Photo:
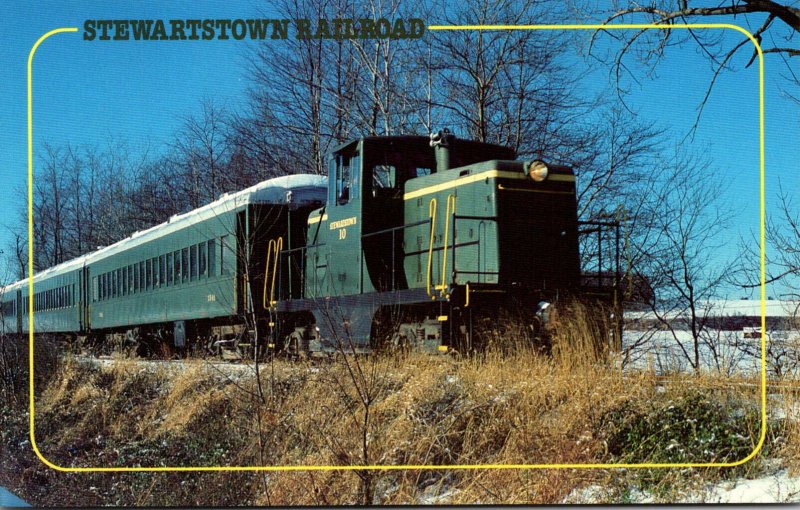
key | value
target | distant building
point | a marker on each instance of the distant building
(726, 315)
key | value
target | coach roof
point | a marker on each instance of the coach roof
(293, 190)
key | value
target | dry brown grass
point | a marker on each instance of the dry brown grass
(413, 409)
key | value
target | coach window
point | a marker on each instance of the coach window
(176, 258)
(148, 281)
(141, 276)
(212, 254)
(185, 264)
(162, 271)
(169, 269)
(124, 286)
(136, 277)
(130, 279)
(225, 255)
(193, 262)
(201, 259)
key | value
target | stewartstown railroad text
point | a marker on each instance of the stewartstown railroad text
(250, 29)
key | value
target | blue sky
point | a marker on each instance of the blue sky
(86, 93)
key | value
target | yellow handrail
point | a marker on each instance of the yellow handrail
(278, 248)
(275, 245)
(451, 199)
(266, 271)
(432, 216)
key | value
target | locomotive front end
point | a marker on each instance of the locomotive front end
(492, 235)
(500, 223)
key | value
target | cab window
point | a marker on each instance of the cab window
(347, 170)
(384, 176)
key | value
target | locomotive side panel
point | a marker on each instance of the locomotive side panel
(460, 203)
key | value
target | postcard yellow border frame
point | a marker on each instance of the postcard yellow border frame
(762, 436)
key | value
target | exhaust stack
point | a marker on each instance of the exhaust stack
(441, 145)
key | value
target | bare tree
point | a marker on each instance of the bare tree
(774, 24)
(202, 150)
(678, 247)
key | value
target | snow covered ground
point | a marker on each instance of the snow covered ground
(730, 352)
(777, 487)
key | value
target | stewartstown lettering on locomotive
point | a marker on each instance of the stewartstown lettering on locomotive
(253, 29)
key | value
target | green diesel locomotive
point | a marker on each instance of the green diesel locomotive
(412, 241)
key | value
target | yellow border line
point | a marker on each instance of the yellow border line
(488, 174)
(755, 451)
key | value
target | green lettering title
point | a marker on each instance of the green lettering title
(251, 29)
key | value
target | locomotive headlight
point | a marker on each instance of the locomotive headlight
(536, 170)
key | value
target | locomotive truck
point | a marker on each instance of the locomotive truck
(410, 240)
